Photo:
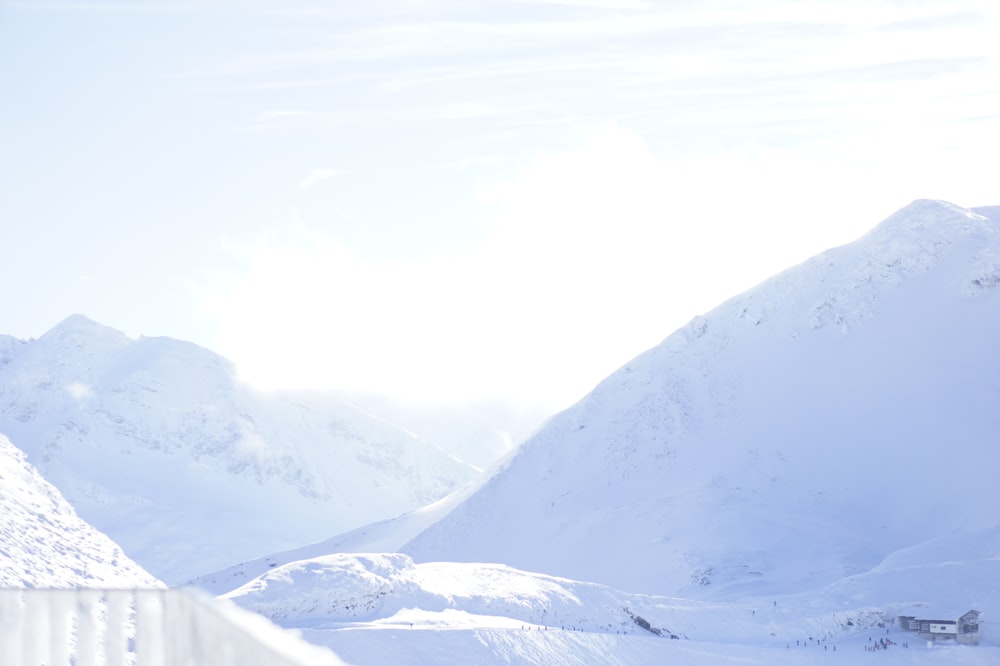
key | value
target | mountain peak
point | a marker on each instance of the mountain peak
(930, 217)
(78, 318)
(77, 328)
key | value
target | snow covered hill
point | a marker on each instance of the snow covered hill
(157, 444)
(385, 536)
(43, 543)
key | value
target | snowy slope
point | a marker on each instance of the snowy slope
(43, 543)
(457, 643)
(385, 609)
(157, 444)
(381, 537)
(799, 433)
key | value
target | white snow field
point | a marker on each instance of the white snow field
(385, 609)
(804, 463)
(43, 543)
(156, 443)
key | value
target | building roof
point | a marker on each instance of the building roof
(955, 614)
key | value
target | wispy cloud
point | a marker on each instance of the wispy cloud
(520, 65)
(80, 391)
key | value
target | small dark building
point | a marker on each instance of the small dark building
(963, 630)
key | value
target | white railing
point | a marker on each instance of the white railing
(85, 627)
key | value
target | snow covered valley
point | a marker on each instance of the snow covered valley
(385, 609)
(775, 483)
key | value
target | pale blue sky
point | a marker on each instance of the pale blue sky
(448, 200)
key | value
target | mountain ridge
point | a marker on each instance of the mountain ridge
(157, 443)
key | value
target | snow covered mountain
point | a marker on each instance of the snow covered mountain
(799, 433)
(803, 464)
(43, 543)
(157, 444)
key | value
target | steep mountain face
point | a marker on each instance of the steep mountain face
(43, 543)
(799, 433)
(157, 444)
